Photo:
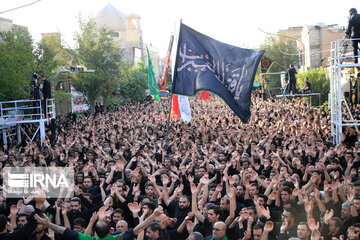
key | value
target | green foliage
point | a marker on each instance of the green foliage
(16, 65)
(89, 85)
(282, 54)
(319, 83)
(133, 84)
(97, 51)
(62, 102)
(51, 56)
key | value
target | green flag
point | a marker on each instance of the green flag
(153, 86)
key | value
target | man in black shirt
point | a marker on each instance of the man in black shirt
(353, 30)
(292, 80)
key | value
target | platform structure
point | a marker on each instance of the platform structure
(16, 113)
(339, 62)
(310, 95)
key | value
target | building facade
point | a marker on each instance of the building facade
(7, 24)
(125, 30)
(313, 43)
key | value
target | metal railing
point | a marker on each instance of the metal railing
(25, 110)
(339, 61)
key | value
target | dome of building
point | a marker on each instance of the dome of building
(111, 18)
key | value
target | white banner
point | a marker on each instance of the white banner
(78, 102)
(185, 111)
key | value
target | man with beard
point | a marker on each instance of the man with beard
(89, 186)
(77, 212)
(21, 220)
(40, 233)
(102, 228)
(23, 232)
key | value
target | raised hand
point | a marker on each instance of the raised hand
(269, 226)
(63, 211)
(134, 207)
(296, 192)
(313, 225)
(205, 180)
(189, 216)
(190, 178)
(284, 225)
(247, 235)
(158, 211)
(231, 180)
(328, 215)
(326, 186)
(94, 217)
(13, 210)
(179, 188)
(264, 212)
(151, 178)
(165, 180)
(51, 233)
(190, 226)
(42, 220)
(102, 213)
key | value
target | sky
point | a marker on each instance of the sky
(236, 22)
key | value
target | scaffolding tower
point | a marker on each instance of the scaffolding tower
(16, 113)
(338, 63)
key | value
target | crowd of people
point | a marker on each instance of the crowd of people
(277, 177)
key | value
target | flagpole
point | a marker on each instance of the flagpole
(172, 90)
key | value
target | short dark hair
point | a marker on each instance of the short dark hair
(22, 215)
(80, 221)
(338, 222)
(259, 225)
(118, 210)
(102, 228)
(264, 197)
(304, 223)
(155, 226)
(252, 208)
(216, 209)
(150, 205)
(3, 222)
(75, 199)
(290, 210)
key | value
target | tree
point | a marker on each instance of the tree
(319, 83)
(133, 83)
(96, 50)
(16, 64)
(51, 56)
(282, 54)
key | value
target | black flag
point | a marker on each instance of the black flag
(203, 63)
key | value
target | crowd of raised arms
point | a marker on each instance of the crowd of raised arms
(277, 177)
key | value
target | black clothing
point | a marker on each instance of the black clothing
(205, 228)
(46, 90)
(85, 214)
(353, 31)
(176, 212)
(292, 80)
(24, 232)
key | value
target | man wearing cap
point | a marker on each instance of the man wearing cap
(353, 30)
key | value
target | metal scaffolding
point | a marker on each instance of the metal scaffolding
(339, 62)
(16, 113)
